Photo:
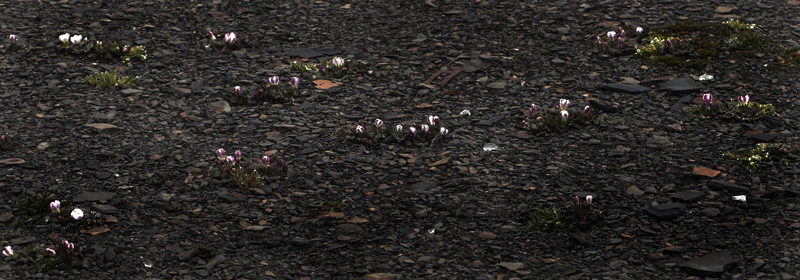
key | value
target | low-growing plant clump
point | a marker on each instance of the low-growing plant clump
(580, 215)
(336, 68)
(274, 91)
(741, 109)
(109, 79)
(377, 132)
(247, 174)
(229, 42)
(538, 121)
(79, 45)
(753, 157)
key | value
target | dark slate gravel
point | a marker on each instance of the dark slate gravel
(140, 156)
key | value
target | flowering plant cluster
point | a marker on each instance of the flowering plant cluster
(621, 41)
(109, 79)
(79, 45)
(249, 174)
(12, 46)
(430, 132)
(543, 120)
(578, 216)
(764, 152)
(48, 259)
(48, 210)
(336, 68)
(741, 108)
(229, 41)
(274, 91)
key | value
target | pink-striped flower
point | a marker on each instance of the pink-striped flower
(211, 35)
(51, 251)
(76, 214)
(564, 115)
(55, 206)
(586, 111)
(744, 99)
(424, 128)
(443, 131)
(533, 109)
(220, 154)
(295, 81)
(398, 128)
(412, 130)
(433, 120)
(707, 100)
(8, 251)
(274, 80)
(13, 38)
(237, 90)
(378, 122)
(359, 129)
(639, 30)
(265, 160)
(589, 199)
(67, 245)
(338, 61)
(237, 155)
(563, 104)
(230, 38)
(230, 160)
(611, 35)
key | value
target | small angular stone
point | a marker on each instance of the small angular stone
(305, 53)
(689, 196)
(425, 187)
(220, 107)
(682, 85)
(713, 264)
(625, 88)
(512, 265)
(719, 185)
(666, 211)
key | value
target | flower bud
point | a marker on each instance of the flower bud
(639, 30)
(13, 39)
(259, 93)
(265, 160)
(55, 206)
(398, 128)
(211, 35)
(589, 199)
(237, 155)
(295, 81)
(533, 109)
(281, 163)
(321, 67)
(8, 251)
(576, 199)
(744, 99)
(611, 35)
(67, 245)
(564, 115)
(237, 90)
(669, 43)
(586, 111)
(230, 160)
(359, 129)
(51, 251)
(622, 33)
(64, 38)
(274, 80)
(378, 122)
(76, 214)
(443, 131)
(75, 39)
(424, 128)
(230, 38)
(707, 100)
(338, 61)
(599, 42)
(563, 104)
(433, 120)
(412, 130)
(620, 42)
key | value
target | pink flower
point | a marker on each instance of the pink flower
(563, 104)
(211, 35)
(220, 154)
(443, 131)
(237, 90)
(8, 251)
(564, 115)
(274, 80)
(237, 155)
(398, 128)
(744, 99)
(77, 214)
(230, 38)
(67, 245)
(707, 100)
(13, 39)
(55, 206)
(424, 128)
(378, 122)
(589, 199)
(265, 160)
(359, 129)
(295, 81)
(51, 251)
(586, 111)
(433, 120)
(412, 130)
(338, 61)
(533, 109)
(611, 35)
(230, 160)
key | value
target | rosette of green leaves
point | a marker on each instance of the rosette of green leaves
(110, 79)
(752, 157)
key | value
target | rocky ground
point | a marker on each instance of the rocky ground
(140, 156)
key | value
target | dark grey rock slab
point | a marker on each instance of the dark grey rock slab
(689, 196)
(682, 85)
(626, 88)
(666, 211)
(719, 185)
(774, 192)
(713, 264)
(491, 121)
(305, 53)
(425, 187)
(682, 103)
(93, 196)
(764, 137)
(597, 104)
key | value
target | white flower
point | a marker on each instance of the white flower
(564, 115)
(64, 38)
(77, 214)
(75, 39)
